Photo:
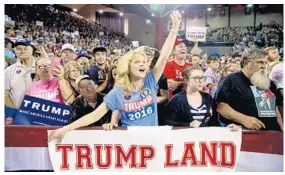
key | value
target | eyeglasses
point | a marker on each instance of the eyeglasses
(262, 62)
(199, 78)
(44, 66)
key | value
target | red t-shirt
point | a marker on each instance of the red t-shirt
(174, 71)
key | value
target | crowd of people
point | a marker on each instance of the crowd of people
(146, 86)
(61, 27)
(262, 34)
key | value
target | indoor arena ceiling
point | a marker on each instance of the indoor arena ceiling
(162, 10)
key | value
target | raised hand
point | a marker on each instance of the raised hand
(59, 70)
(175, 19)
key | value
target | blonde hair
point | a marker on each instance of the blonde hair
(123, 70)
(70, 65)
(84, 60)
(268, 49)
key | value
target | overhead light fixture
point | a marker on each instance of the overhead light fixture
(75, 10)
(209, 9)
(147, 21)
(182, 11)
(249, 5)
(121, 14)
(152, 14)
(100, 11)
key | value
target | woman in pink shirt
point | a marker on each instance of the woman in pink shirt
(49, 87)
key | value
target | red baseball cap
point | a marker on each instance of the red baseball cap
(178, 41)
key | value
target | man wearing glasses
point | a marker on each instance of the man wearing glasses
(48, 87)
(18, 75)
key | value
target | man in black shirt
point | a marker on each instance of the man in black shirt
(244, 97)
(88, 101)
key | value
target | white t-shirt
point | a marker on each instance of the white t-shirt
(17, 80)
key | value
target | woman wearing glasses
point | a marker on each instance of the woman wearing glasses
(192, 107)
(48, 87)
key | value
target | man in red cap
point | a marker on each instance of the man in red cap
(173, 69)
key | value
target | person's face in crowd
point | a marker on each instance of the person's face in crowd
(258, 67)
(24, 52)
(9, 46)
(50, 55)
(92, 61)
(101, 57)
(231, 69)
(196, 80)
(222, 64)
(138, 67)
(196, 61)
(44, 69)
(238, 60)
(180, 51)
(150, 55)
(9, 120)
(273, 55)
(223, 57)
(57, 53)
(9, 31)
(67, 55)
(73, 73)
(115, 62)
(87, 89)
(215, 64)
(112, 56)
(114, 73)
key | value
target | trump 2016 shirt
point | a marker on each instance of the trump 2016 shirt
(138, 109)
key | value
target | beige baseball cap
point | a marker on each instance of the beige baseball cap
(81, 77)
(67, 47)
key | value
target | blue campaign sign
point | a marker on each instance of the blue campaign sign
(36, 111)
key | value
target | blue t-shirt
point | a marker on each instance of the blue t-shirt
(9, 54)
(138, 109)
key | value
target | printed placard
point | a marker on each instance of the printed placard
(196, 33)
(36, 111)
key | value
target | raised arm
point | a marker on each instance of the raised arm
(167, 46)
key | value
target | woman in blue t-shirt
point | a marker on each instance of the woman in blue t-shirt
(134, 95)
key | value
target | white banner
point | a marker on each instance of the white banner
(198, 33)
(39, 23)
(153, 149)
(101, 33)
